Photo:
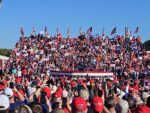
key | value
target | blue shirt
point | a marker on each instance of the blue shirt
(13, 106)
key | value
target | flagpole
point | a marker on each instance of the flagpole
(103, 32)
(68, 32)
(125, 32)
(22, 31)
(80, 31)
(33, 31)
(57, 31)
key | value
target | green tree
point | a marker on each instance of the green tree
(146, 45)
(5, 52)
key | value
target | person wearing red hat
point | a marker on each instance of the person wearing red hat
(133, 93)
(3, 85)
(57, 96)
(43, 95)
(18, 80)
(97, 104)
(135, 85)
(79, 105)
(47, 91)
(73, 84)
(142, 109)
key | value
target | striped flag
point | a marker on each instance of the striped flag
(57, 31)
(113, 31)
(103, 32)
(127, 33)
(68, 32)
(58, 34)
(33, 31)
(21, 31)
(136, 30)
(80, 31)
(139, 39)
(46, 31)
(89, 30)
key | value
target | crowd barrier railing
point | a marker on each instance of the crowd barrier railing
(83, 73)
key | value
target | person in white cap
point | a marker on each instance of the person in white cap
(4, 104)
(14, 104)
(8, 92)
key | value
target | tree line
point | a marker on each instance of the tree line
(146, 45)
(5, 52)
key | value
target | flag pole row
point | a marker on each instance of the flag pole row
(88, 32)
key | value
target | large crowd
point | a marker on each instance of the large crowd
(27, 86)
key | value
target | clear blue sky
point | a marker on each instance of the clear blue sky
(73, 14)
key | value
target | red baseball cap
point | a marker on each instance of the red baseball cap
(18, 80)
(98, 104)
(73, 83)
(132, 90)
(57, 94)
(47, 91)
(79, 104)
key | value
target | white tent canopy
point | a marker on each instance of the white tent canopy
(4, 57)
(3, 60)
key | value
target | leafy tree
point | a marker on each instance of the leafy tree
(146, 45)
(5, 52)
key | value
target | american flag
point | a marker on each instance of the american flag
(89, 30)
(113, 31)
(21, 31)
(137, 30)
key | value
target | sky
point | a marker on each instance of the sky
(73, 14)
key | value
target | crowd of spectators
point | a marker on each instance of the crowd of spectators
(27, 86)
(40, 54)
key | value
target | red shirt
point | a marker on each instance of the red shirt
(142, 109)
